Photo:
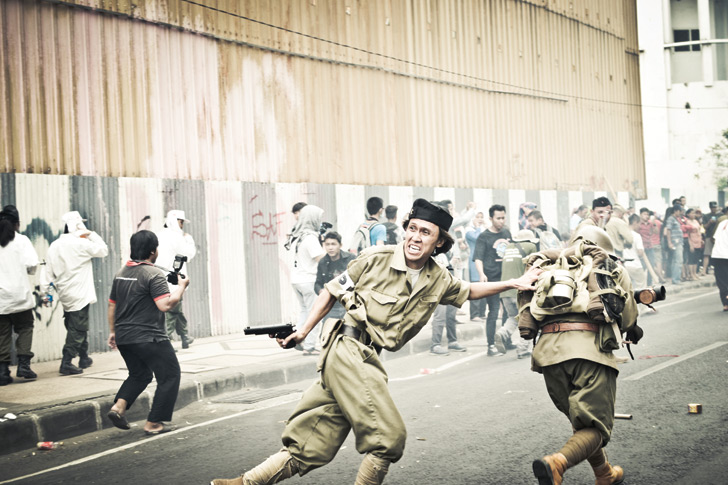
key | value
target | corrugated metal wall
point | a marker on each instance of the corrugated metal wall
(540, 94)
(240, 275)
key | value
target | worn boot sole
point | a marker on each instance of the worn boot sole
(27, 375)
(542, 471)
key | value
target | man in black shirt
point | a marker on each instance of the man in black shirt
(488, 256)
(139, 297)
(330, 266)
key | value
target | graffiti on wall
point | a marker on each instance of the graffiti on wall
(266, 225)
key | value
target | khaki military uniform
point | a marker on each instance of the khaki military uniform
(620, 234)
(580, 377)
(352, 392)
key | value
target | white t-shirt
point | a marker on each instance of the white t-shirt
(720, 249)
(305, 264)
(16, 259)
(633, 252)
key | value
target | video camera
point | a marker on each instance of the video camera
(173, 276)
(325, 226)
(648, 296)
(274, 331)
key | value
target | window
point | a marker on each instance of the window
(684, 35)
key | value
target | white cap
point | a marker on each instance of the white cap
(177, 214)
(74, 221)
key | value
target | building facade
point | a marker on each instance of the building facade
(684, 76)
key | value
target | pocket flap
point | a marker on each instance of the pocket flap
(383, 299)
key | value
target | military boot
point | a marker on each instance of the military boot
(24, 369)
(605, 473)
(84, 362)
(224, 481)
(186, 341)
(550, 469)
(5, 377)
(608, 474)
(68, 368)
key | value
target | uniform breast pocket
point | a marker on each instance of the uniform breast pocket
(381, 308)
(425, 307)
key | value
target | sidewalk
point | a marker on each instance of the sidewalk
(55, 407)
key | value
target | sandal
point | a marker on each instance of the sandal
(166, 428)
(119, 420)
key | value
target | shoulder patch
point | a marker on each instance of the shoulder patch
(345, 281)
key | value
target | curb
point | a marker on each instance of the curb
(67, 420)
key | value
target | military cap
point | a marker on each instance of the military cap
(426, 211)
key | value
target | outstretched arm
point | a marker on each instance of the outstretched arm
(484, 289)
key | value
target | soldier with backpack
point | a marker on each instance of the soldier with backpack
(582, 305)
(370, 232)
(548, 236)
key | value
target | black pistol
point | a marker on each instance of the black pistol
(277, 331)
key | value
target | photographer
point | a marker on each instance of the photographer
(139, 297)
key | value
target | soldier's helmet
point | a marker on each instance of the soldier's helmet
(595, 235)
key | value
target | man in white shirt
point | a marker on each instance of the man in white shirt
(68, 267)
(18, 259)
(173, 240)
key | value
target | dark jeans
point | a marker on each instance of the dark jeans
(444, 316)
(22, 324)
(721, 278)
(493, 303)
(76, 324)
(142, 360)
(477, 308)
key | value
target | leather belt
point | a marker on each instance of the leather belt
(356, 334)
(569, 326)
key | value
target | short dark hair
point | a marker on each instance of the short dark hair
(143, 244)
(601, 202)
(391, 211)
(689, 211)
(332, 235)
(298, 206)
(634, 218)
(676, 201)
(677, 207)
(448, 241)
(374, 205)
(536, 214)
(644, 209)
(494, 208)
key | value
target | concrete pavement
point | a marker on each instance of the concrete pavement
(55, 407)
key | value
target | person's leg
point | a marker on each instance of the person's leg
(439, 318)
(6, 335)
(475, 308)
(23, 325)
(359, 372)
(161, 359)
(308, 296)
(676, 270)
(451, 325)
(493, 304)
(720, 271)
(140, 375)
(76, 323)
(585, 392)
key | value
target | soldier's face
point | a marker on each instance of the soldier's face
(420, 241)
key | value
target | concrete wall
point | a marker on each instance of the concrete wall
(240, 276)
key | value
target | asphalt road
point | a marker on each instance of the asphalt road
(475, 420)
